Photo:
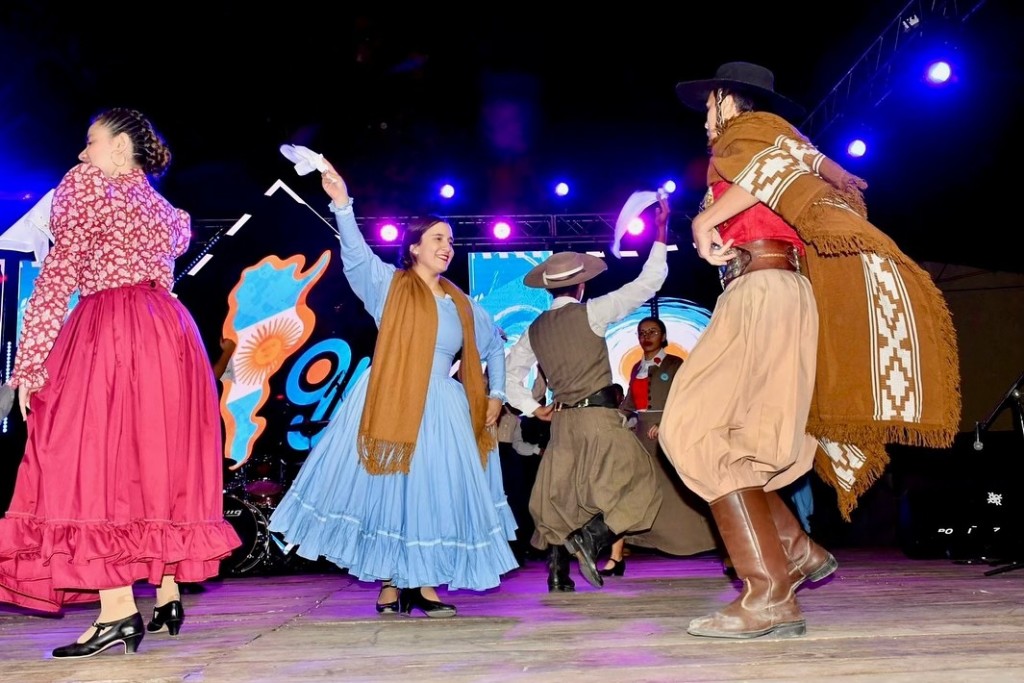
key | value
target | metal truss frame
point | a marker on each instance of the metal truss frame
(869, 80)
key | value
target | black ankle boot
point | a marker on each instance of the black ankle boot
(586, 543)
(409, 598)
(171, 615)
(127, 632)
(558, 571)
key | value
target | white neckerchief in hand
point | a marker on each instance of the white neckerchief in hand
(305, 159)
(646, 365)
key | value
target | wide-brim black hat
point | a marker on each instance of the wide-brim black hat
(744, 77)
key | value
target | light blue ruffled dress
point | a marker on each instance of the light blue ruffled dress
(447, 521)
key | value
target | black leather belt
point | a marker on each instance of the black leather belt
(602, 398)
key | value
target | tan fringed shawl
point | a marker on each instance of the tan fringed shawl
(401, 371)
(888, 370)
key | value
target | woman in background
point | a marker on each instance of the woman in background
(682, 526)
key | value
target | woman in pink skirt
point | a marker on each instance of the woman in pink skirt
(121, 479)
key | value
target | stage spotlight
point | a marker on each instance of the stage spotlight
(388, 232)
(447, 191)
(938, 73)
(857, 148)
(669, 186)
(636, 226)
(562, 189)
(502, 230)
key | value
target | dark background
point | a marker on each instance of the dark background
(505, 101)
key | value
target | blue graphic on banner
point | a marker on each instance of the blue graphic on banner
(327, 392)
(496, 282)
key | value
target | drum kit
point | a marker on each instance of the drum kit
(251, 494)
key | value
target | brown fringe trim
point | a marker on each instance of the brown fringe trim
(875, 462)
(937, 436)
(380, 457)
(486, 441)
(813, 226)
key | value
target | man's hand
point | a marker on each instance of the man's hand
(709, 246)
(544, 412)
(661, 214)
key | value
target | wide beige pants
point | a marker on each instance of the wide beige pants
(737, 409)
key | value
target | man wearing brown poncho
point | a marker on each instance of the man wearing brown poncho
(826, 344)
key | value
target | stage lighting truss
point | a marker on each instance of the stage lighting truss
(579, 231)
(527, 230)
(869, 80)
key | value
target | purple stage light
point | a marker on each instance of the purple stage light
(502, 230)
(636, 226)
(388, 232)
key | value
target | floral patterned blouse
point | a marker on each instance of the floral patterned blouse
(108, 232)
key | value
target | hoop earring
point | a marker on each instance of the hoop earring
(118, 166)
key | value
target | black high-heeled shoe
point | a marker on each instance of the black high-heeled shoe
(409, 598)
(617, 569)
(171, 615)
(127, 632)
(387, 607)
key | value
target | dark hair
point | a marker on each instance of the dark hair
(661, 325)
(149, 149)
(571, 290)
(414, 235)
(743, 100)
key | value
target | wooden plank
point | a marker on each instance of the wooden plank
(882, 617)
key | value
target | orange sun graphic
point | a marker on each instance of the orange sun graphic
(262, 354)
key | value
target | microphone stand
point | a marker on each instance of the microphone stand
(1012, 400)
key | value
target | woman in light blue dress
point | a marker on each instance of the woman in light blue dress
(426, 507)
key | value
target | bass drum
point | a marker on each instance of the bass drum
(252, 527)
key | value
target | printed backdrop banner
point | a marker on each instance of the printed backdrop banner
(274, 285)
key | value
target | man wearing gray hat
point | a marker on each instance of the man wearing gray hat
(596, 481)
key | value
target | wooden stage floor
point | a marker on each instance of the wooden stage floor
(882, 617)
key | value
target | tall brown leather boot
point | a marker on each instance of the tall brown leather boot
(808, 561)
(767, 604)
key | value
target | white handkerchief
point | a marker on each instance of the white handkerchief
(305, 159)
(634, 206)
(31, 232)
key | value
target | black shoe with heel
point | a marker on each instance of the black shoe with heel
(410, 598)
(386, 607)
(127, 632)
(618, 568)
(171, 615)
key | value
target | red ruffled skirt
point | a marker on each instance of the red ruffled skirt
(122, 475)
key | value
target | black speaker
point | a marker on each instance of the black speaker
(962, 503)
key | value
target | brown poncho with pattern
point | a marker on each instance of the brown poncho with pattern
(888, 370)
